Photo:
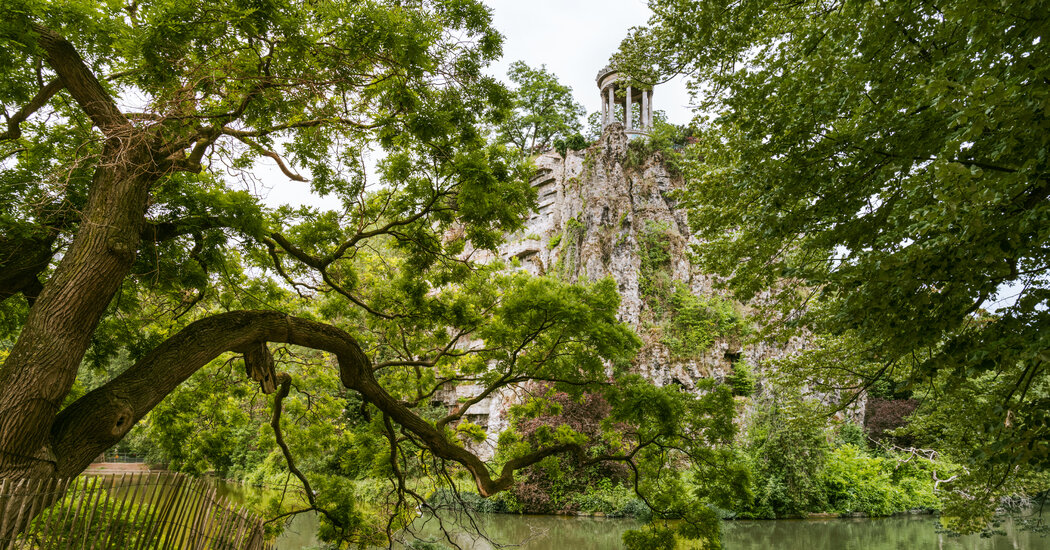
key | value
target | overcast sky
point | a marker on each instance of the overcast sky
(573, 38)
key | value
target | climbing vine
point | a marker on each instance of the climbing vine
(687, 324)
(568, 258)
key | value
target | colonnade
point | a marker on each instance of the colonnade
(614, 95)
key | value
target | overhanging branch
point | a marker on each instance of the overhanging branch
(75, 76)
(99, 419)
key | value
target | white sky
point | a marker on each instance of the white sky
(573, 38)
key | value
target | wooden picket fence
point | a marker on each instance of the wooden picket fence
(139, 511)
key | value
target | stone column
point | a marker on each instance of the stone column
(612, 107)
(645, 111)
(650, 109)
(605, 110)
(627, 105)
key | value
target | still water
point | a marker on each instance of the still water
(583, 533)
(553, 533)
(574, 533)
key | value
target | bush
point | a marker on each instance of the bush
(635, 508)
(849, 433)
(605, 497)
(884, 415)
(741, 379)
(93, 526)
(876, 486)
(695, 323)
(560, 484)
(787, 448)
(574, 142)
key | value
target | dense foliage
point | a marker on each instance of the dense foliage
(882, 167)
(800, 463)
(685, 323)
(552, 485)
(142, 275)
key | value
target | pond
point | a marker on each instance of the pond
(586, 533)
(581, 533)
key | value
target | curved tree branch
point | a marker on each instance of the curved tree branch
(77, 78)
(99, 419)
(14, 128)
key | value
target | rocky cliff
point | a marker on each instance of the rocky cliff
(610, 210)
(602, 212)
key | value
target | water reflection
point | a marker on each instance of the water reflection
(533, 532)
(867, 534)
(584, 533)
(557, 533)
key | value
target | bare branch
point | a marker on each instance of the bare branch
(277, 158)
(14, 129)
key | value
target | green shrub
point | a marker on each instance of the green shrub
(63, 516)
(694, 323)
(563, 483)
(561, 147)
(654, 277)
(635, 508)
(576, 142)
(857, 482)
(605, 497)
(742, 380)
(787, 449)
(849, 433)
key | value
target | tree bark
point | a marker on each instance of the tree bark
(38, 440)
(43, 363)
(101, 418)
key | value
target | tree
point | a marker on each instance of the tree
(883, 167)
(543, 109)
(126, 195)
(129, 240)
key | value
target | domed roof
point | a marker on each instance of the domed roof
(606, 71)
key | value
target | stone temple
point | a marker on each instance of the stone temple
(614, 94)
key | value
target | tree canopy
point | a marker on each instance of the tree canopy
(133, 253)
(544, 109)
(882, 168)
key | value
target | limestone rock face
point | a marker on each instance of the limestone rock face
(596, 209)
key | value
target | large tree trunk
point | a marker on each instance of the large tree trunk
(44, 361)
(42, 365)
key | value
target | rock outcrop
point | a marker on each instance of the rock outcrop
(598, 211)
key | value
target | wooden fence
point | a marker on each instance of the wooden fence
(128, 512)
